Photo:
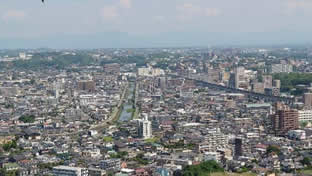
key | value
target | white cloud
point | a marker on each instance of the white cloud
(109, 12)
(187, 11)
(13, 15)
(125, 3)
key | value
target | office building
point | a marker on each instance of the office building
(69, 171)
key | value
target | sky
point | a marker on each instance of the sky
(153, 23)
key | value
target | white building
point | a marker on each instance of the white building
(145, 128)
(69, 171)
(214, 140)
(281, 68)
(305, 115)
(149, 71)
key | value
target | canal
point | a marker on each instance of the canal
(127, 110)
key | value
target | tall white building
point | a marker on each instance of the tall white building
(239, 73)
(145, 128)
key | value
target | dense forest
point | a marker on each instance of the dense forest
(290, 80)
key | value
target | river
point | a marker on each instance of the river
(126, 116)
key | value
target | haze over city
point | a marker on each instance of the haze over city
(153, 23)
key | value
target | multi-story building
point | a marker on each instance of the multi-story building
(257, 87)
(69, 171)
(267, 79)
(214, 75)
(96, 172)
(285, 120)
(238, 147)
(214, 141)
(239, 73)
(145, 128)
(149, 71)
(111, 164)
(88, 85)
(281, 68)
(304, 115)
(307, 98)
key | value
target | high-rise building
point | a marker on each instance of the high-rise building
(239, 76)
(145, 128)
(238, 148)
(69, 171)
(86, 85)
(231, 82)
(307, 98)
(267, 79)
(285, 120)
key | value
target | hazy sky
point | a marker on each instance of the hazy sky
(134, 23)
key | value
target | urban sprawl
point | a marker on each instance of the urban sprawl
(156, 112)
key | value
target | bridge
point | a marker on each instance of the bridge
(249, 94)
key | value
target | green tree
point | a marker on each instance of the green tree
(203, 169)
(273, 149)
(107, 139)
(306, 161)
(27, 118)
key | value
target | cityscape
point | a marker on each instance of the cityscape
(161, 111)
(155, 88)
